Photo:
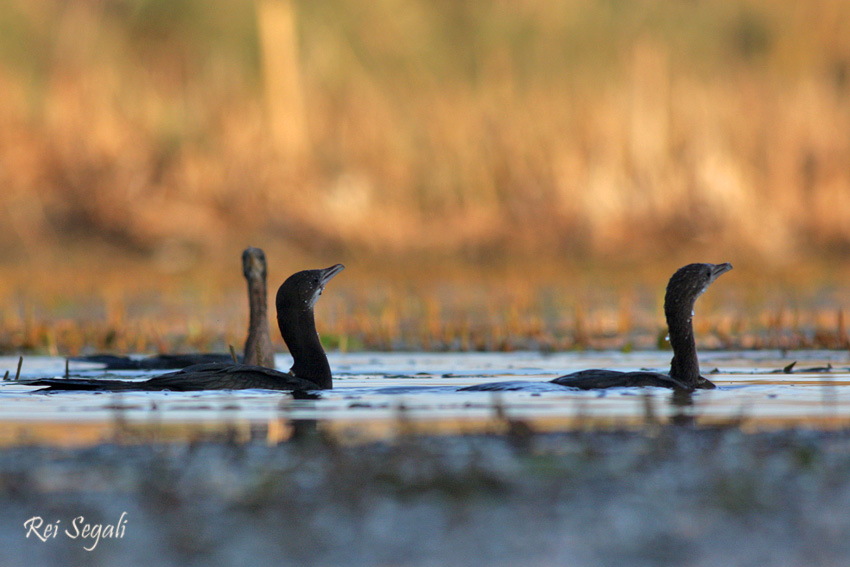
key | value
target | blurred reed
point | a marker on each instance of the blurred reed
(496, 175)
(457, 130)
(282, 76)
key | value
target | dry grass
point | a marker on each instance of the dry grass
(542, 145)
(70, 311)
(599, 130)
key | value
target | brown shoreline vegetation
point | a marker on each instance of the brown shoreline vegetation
(385, 307)
(597, 130)
(535, 171)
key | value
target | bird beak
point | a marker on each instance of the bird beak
(718, 269)
(329, 273)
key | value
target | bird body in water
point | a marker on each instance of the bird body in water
(206, 376)
(310, 370)
(159, 362)
(683, 289)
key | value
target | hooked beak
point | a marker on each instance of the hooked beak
(328, 273)
(324, 277)
(718, 269)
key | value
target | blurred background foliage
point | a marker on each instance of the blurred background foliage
(539, 137)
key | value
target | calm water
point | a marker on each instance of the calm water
(376, 393)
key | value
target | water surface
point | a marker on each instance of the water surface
(378, 393)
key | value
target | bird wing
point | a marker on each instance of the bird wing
(229, 377)
(599, 378)
(210, 376)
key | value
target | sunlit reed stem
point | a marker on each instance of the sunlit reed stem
(282, 76)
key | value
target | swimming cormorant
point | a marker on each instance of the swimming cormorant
(686, 285)
(310, 371)
(258, 346)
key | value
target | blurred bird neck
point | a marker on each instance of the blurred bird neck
(258, 350)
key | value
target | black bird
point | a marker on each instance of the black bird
(310, 371)
(686, 285)
(258, 346)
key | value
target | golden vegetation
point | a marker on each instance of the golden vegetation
(141, 141)
(71, 311)
(600, 129)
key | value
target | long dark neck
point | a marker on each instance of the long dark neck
(298, 329)
(258, 346)
(685, 365)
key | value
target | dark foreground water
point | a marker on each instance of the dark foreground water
(667, 496)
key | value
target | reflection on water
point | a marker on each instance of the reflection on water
(381, 394)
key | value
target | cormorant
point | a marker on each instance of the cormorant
(686, 285)
(310, 371)
(258, 346)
